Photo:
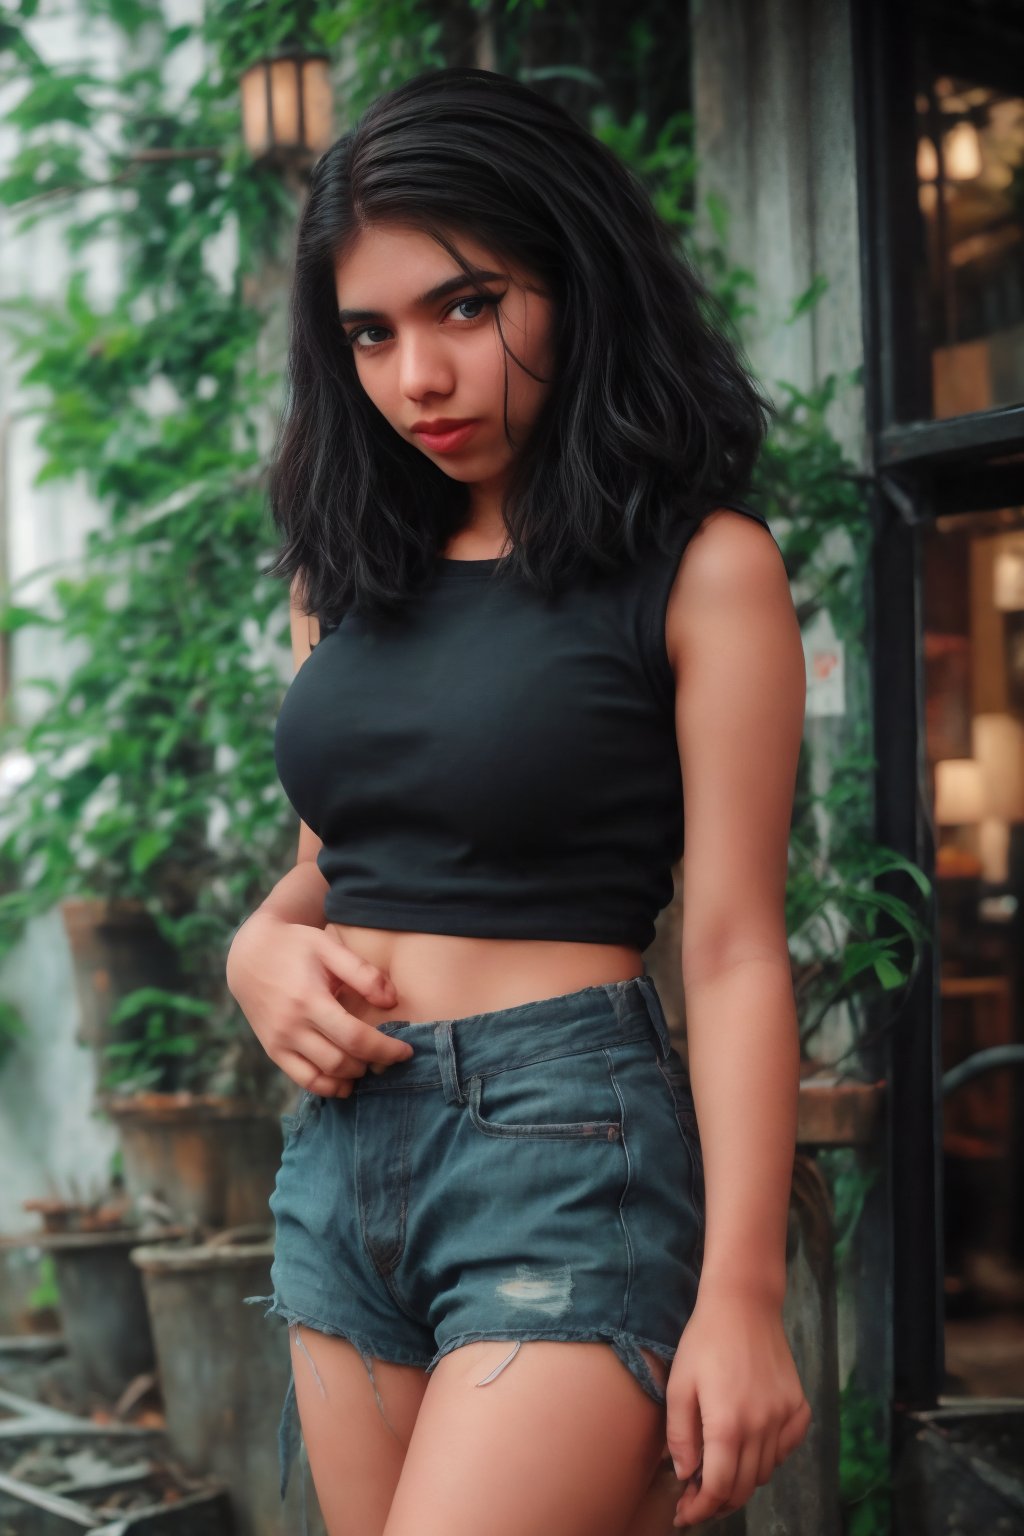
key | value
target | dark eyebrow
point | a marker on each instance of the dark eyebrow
(450, 284)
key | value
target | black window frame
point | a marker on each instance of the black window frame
(922, 468)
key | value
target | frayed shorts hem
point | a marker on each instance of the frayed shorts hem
(627, 1347)
(387, 1353)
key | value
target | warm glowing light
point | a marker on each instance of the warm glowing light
(961, 152)
(286, 105)
(958, 792)
(927, 161)
(1008, 577)
(998, 744)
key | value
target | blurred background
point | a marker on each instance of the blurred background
(848, 175)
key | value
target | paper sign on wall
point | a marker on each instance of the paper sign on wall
(824, 656)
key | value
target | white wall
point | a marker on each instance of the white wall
(51, 1138)
(773, 105)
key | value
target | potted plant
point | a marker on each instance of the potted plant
(88, 1237)
(141, 797)
(208, 1153)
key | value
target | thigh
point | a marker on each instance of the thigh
(655, 1512)
(356, 1444)
(562, 1438)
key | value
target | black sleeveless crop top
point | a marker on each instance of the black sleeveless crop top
(496, 763)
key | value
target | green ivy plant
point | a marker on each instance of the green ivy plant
(152, 771)
(854, 940)
(46, 1293)
(153, 776)
(865, 1483)
(152, 1039)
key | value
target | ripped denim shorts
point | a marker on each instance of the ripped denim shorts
(530, 1173)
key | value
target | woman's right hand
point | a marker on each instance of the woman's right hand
(281, 975)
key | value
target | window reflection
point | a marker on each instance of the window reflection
(973, 590)
(970, 175)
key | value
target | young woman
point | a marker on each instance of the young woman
(510, 415)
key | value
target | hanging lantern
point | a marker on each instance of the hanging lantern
(286, 106)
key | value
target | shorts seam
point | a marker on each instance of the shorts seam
(307, 1319)
(627, 1186)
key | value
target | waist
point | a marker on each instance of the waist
(445, 976)
(452, 1051)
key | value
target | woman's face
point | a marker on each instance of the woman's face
(429, 359)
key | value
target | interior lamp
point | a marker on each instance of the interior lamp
(998, 742)
(958, 792)
(959, 802)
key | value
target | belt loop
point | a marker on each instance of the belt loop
(445, 1044)
(657, 1013)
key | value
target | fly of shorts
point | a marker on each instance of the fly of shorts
(530, 1173)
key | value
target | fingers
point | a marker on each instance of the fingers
(346, 1041)
(325, 1056)
(361, 975)
(746, 1478)
(770, 1457)
(303, 1072)
(794, 1430)
(684, 1435)
(733, 1466)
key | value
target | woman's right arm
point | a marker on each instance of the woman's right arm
(281, 963)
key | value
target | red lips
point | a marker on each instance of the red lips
(441, 425)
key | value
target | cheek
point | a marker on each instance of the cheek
(526, 391)
(374, 384)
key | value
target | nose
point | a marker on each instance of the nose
(424, 370)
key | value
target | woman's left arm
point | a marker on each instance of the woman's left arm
(736, 1407)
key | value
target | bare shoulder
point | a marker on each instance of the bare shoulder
(731, 572)
(738, 660)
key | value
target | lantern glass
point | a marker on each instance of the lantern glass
(286, 105)
(316, 101)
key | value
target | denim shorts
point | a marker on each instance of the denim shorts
(530, 1173)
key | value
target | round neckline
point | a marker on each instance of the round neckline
(462, 570)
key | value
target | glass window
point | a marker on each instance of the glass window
(973, 607)
(970, 180)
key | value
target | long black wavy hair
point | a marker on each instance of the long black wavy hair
(652, 416)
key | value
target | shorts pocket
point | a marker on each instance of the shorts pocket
(564, 1098)
(678, 1081)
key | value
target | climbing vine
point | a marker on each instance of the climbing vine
(151, 759)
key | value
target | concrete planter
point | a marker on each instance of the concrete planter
(211, 1161)
(104, 1319)
(223, 1373)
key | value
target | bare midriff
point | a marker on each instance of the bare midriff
(449, 976)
